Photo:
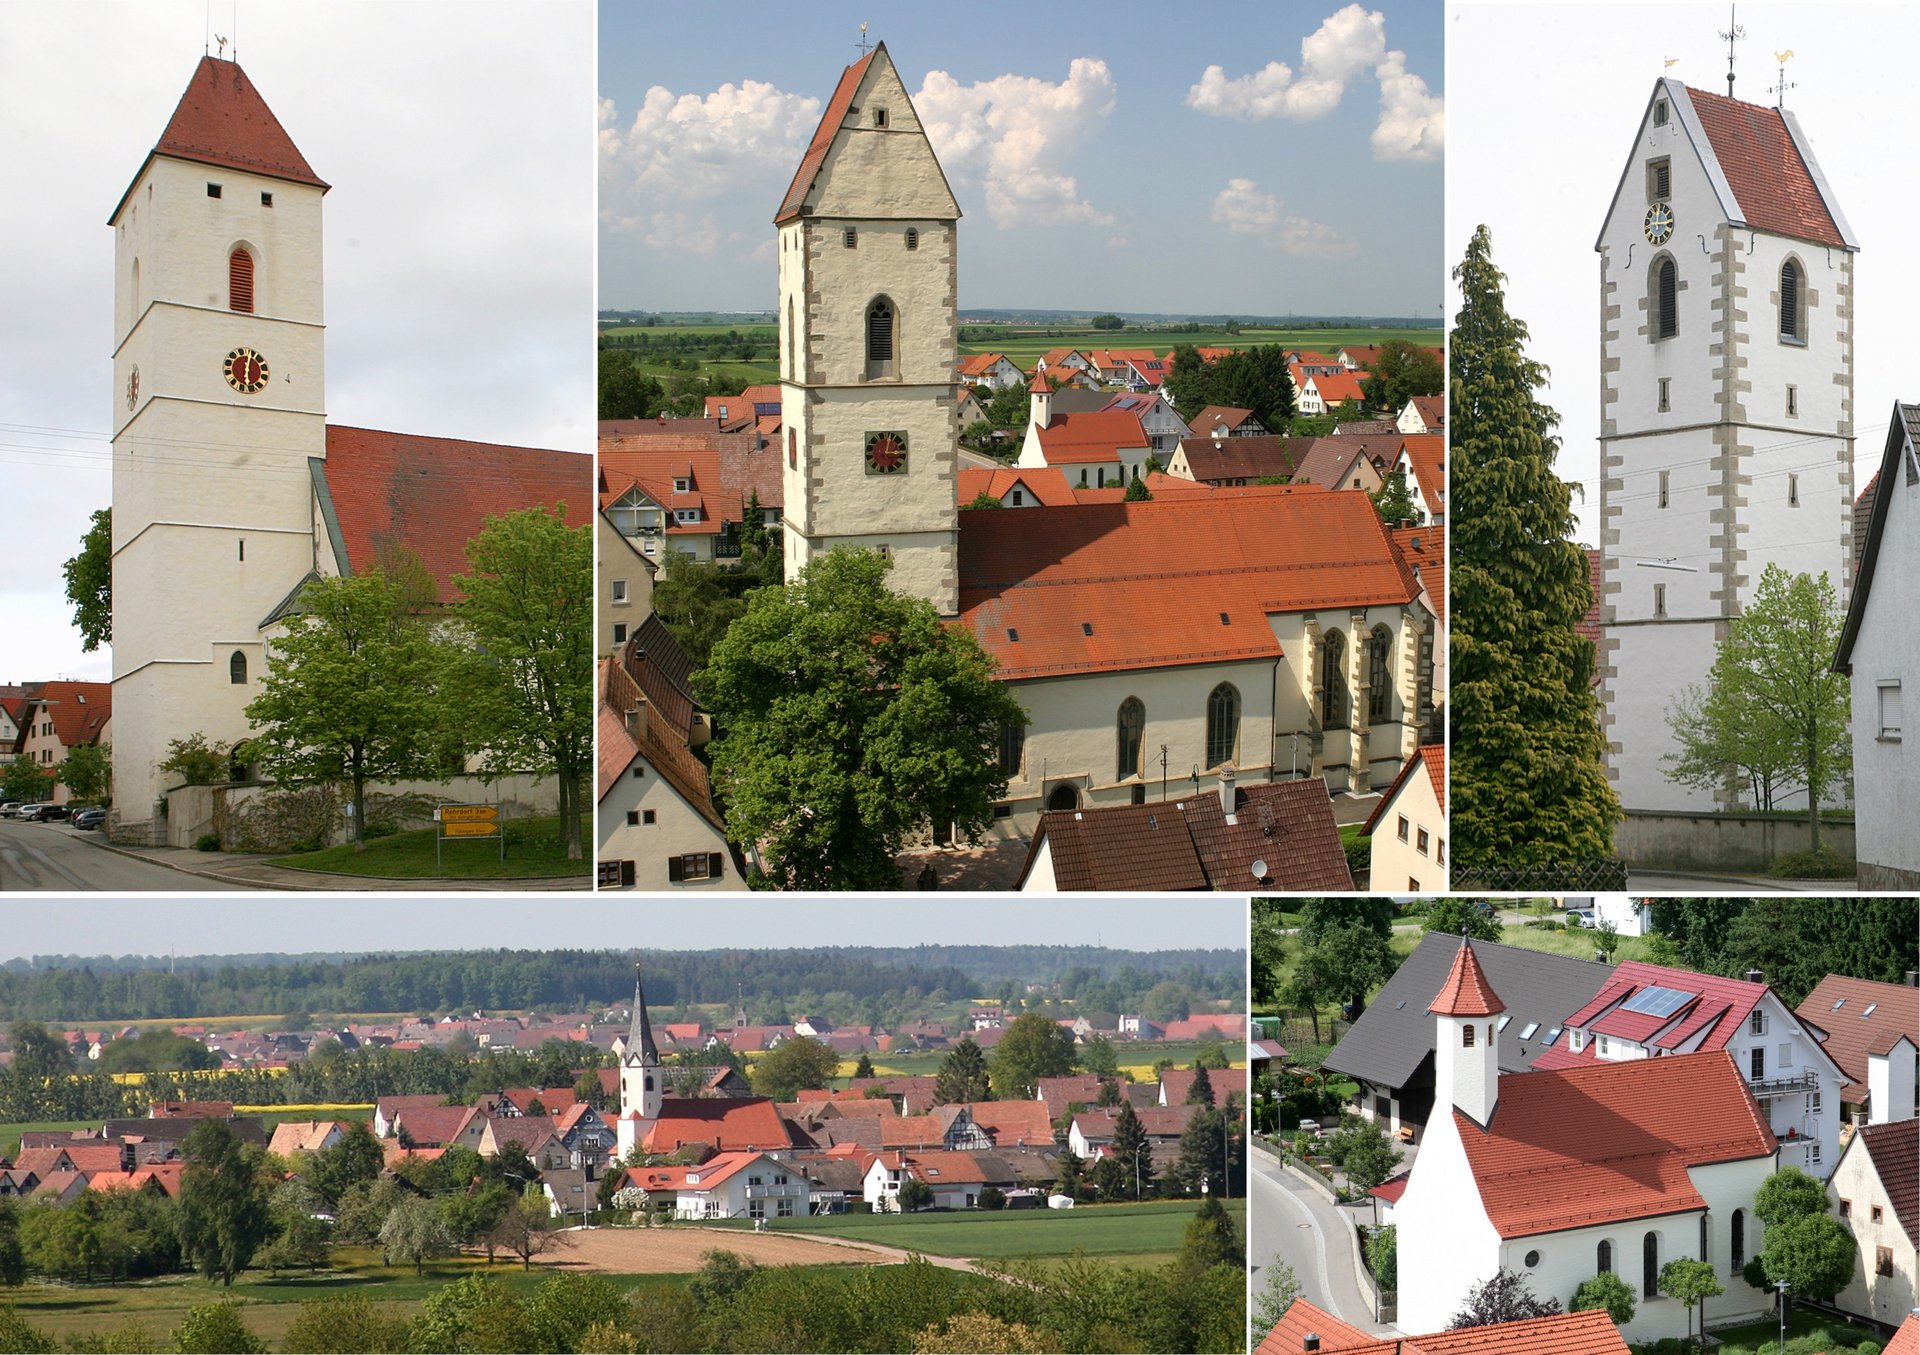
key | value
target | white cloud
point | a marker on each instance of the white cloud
(679, 230)
(1012, 135)
(1413, 123)
(695, 147)
(1244, 210)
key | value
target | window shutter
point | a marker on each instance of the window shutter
(714, 867)
(1669, 300)
(240, 281)
(676, 869)
(626, 872)
(1789, 302)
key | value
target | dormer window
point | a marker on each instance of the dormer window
(683, 484)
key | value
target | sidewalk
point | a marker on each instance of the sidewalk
(256, 871)
(1326, 1260)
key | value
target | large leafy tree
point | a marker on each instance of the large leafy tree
(794, 1064)
(694, 600)
(1605, 1290)
(1031, 1048)
(21, 780)
(86, 771)
(1401, 371)
(1528, 786)
(89, 577)
(851, 718)
(529, 611)
(1772, 690)
(224, 1215)
(1504, 1298)
(963, 1075)
(350, 693)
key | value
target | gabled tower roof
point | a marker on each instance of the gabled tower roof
(1467, 991)
(640, 1032)
(222, 120)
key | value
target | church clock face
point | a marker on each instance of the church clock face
(246, 370)
(886, 453)
(133, 387)
(1659, 224)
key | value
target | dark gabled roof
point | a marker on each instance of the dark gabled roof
(1395, 1033)
(1903, 440)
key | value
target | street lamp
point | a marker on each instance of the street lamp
(1781, 1285)
(1136, 1170)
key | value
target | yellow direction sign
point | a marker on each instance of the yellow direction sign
(469, 813)
(460, 828)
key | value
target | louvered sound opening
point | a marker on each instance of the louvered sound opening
(240, 281)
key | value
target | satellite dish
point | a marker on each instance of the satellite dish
(1259, 871)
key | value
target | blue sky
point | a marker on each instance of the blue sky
(1098, 161)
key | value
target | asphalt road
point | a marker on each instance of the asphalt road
(1288, 1221)
(55, 856)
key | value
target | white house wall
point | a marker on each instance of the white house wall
(1886, 654)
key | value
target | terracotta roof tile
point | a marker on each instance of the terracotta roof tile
(830, 120)
(1895, 1150)
(1609, 1141)
(1762, 165)
(79, 710)
(728, 1124)
(1430, 758)
(1302, 1319)
(1424, 552)
(431, 495)
(1906, 1340)
(1851, 1030)
(1070, 439)
(1467, 991)
(1632, 976)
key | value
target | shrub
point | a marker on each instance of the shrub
(215, 1329)
(1824, 864)
(16, 1334)
(993, 1198)
(207, 842)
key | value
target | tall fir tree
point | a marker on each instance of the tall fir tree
(963, 1075)
(1528, 784)
(1130, 1145)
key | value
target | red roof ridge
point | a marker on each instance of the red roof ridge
(1467, 991)
(830, 119)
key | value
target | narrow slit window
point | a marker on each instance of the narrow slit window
(1793, 491)
(1664, 487)
(913, 237)
(1793, 402)
(1659, 599)
(851, 238)
(1666, 395)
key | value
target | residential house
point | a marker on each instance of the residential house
(1558, 1174)
(440, 1126)
(1648, 1011)
(623, 583)
(570, 1192)
(1880, 653)
(1280, 835)
(1875, 1190)
(1349, 463)
(1408, 828)
(386, 1111)
(1122, 366)
(967, 408)
(306, 1136)
(13, 706)
(992, 370)
(1090, 1135)
(956, 1178)
(1423, 414)
(657, 824)
(1229, 1086)
(1871, 1031)
(588, 1136)
(1059, 361)
(1146, 373)
(1224, 421)
(1226, 461)
(687, 493)
(1163, 427)
(747, 410)
(59, 717)
(1305, 1328)
(1322, 393)
(1422, 464)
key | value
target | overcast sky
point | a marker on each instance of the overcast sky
(1547, 103)
(235, 924)
(1240, 157)
(458, 138)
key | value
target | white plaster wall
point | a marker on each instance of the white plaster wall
(1884, 1298)
(1395, 861)
(1652, 663)
(1446, 1242)
(1041, 880)
(1887, 771)
(617, 558)
(676, 830)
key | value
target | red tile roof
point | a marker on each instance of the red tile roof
(1762, 165)
(1585, 1333)
(431, 495)
(1424, 551)
(79, 710)
(1429, 757)
(1906, 1340)
(830, 120)
(1097, 435)
(222, 120)
(1109, 588)
(724, 470)
(1467, 991)
(736, 1124)
(1338, 387)
(1633, 976)
(1852, 1033)
(1251, 458)
(1895, 1150)
(1302, 1319)
(1605, 1142)
(1047, 486)
(663, 747)
(1015, 1122)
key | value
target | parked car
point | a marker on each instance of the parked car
(7, 809)
(1580, 918)
(50, 812)
(89, 818)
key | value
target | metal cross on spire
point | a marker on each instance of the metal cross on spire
(1733, 34)
(863, 44)
(1780, 88)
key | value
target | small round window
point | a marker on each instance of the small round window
(1533, 1259)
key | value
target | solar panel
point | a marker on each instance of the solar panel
(1657, 1001)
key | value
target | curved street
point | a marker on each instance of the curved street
(58, 857)
(1290, 1221)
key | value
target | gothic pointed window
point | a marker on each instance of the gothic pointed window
(1223, 724)
(1666, 298)
(1380, 674)
(1603, 1257)
(1129, 730)
(1792, 317)
(1739, 1257)
(880, 320)
(1650, 1265)
(1333, 681)
(237, 669)
(240, 280)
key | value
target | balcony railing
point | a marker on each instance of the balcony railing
(1783, 1086)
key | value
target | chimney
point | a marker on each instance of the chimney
(1226, 790)
(1311, 1341)
(637, 719)
(1754, 976)
(1913, 978)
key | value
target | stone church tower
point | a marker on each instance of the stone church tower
(642, 1084)
(218, 419)
(1727, 420)
(867, 339)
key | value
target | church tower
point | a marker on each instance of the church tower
(1466, 1063)
(1726, 416)
(218, 420)
(868, 324)
(642, 1086)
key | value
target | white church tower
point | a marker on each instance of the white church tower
(868, 327)
(218, 420)
(1727, 419)
(642, 1084)
(1466, 1063)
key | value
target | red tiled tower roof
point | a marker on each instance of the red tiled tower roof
(1764, 168)
(1467, 991)
(222, 120)
(816, 155)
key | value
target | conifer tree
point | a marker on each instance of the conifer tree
(962, 1076)
(1130, 1146)
(1528, 786)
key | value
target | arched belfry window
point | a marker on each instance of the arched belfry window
(1129, 730)
(1739, 1257)
(240, 280)
(1063, 796)
(1223, 723)
(1333, 681)
(1379, 674)
(237, 669)
(1665, 298)
(1603, 1257)
(1793, 327)
(880, 326)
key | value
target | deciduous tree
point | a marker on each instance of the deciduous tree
(1605, 1290)
(1693, 1283)
(802, 1062)
(1504, 1298)
(1528, 784)
(1462, 917)
(223, 1209)
(852, 717)
(1031, 1048)
(90, 582)
(1400, 371)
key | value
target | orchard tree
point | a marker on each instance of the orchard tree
(224, 1216)
(852, 717)
(415, 1231)
(1528, 784)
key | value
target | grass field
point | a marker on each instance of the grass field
(1135, 1058)
(1142, 1234)
(534, 851)
(1578, 944)
(157, 1306)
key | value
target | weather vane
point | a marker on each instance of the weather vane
(863, 44)
(1733, 34)
(1780, 89)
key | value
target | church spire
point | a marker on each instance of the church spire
(640, 1032)
(1467, 991)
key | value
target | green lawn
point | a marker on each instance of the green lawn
(1108, 1231)
(534, 851)
(1577, 943)
(1763, 1338)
